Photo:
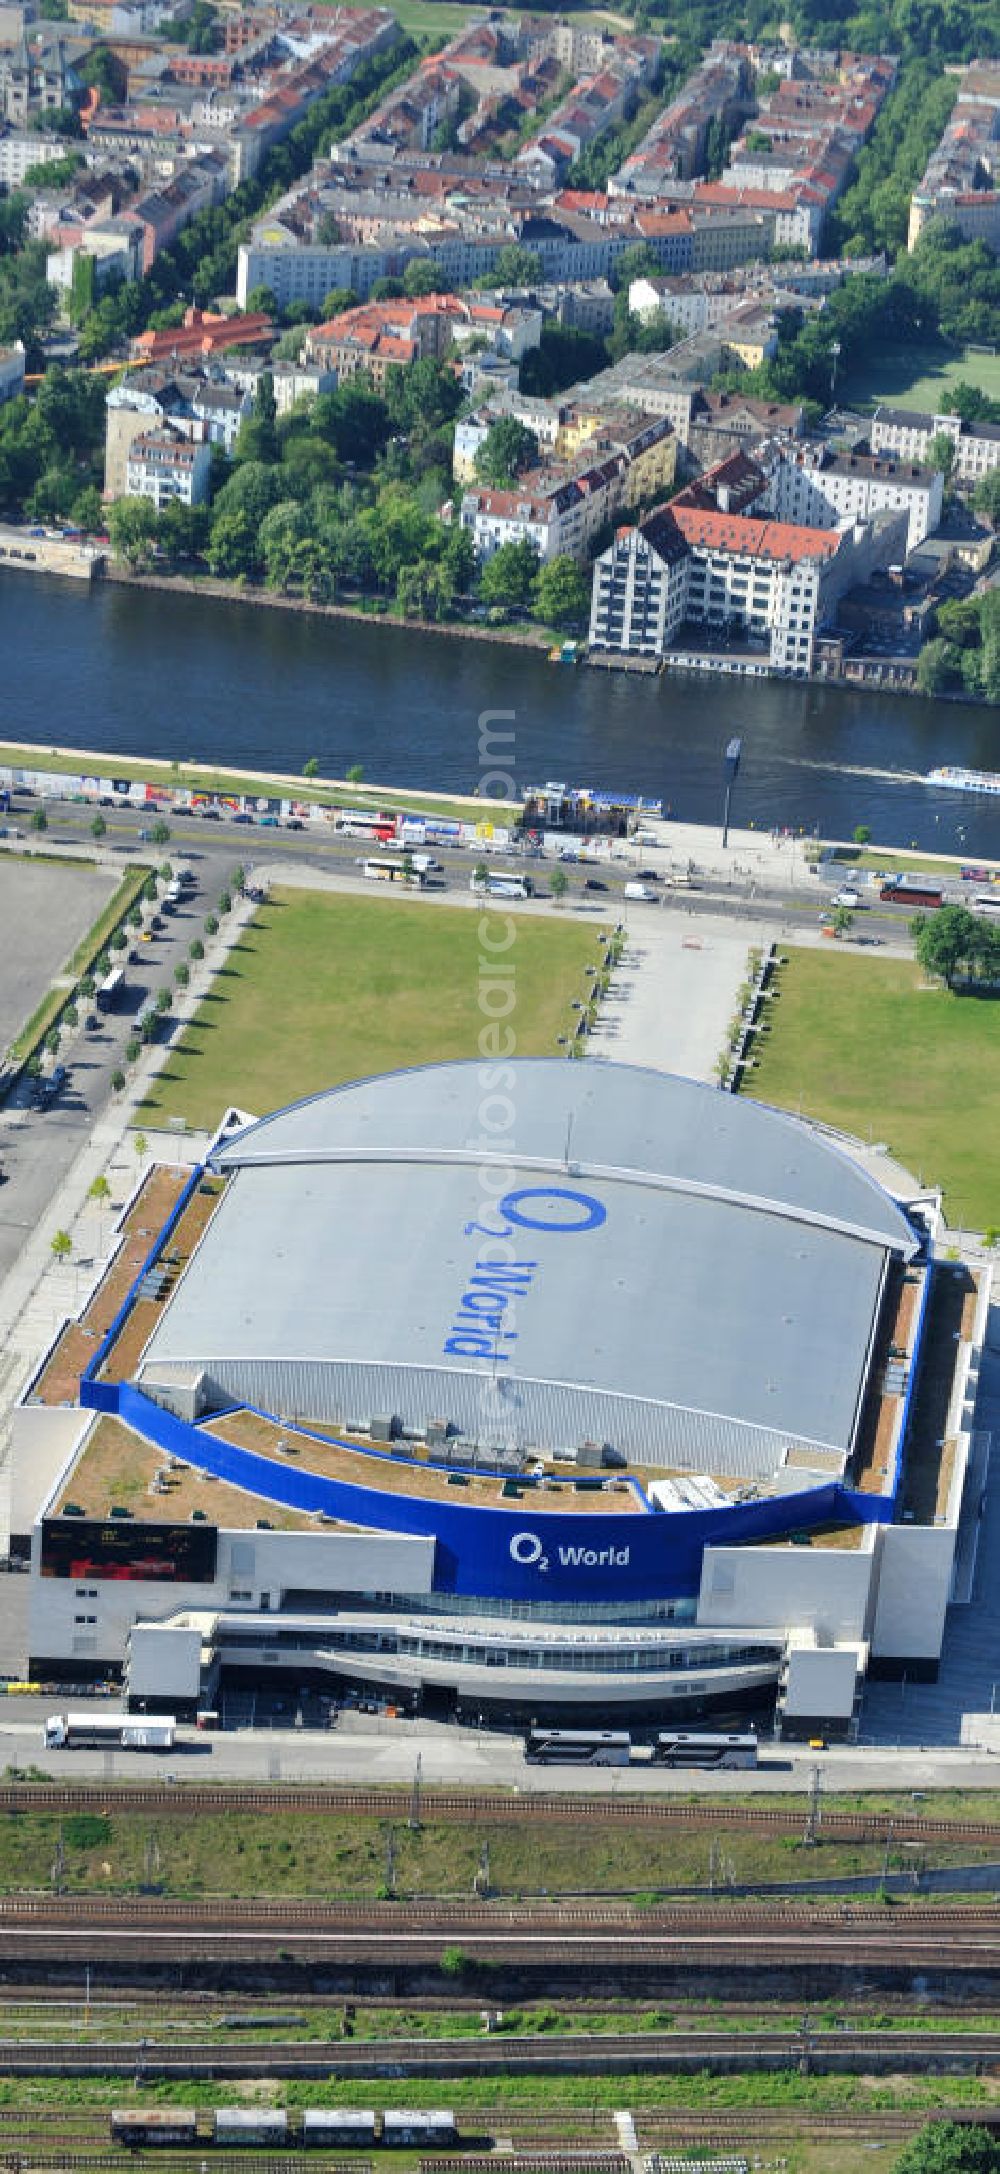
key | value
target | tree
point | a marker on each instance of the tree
(563, 597)
(182, 974)
(133, 1050)
(941, 453)
(310, 769)
(71, 1016)
(507, 449)
(843, 921)
(98, 827)
(99, 1191)
(516, 267)
(225, 903)
(62, 1246)
(508, 578)
(355, 775)
(558, 884)
(953, 943)
(196, 949)
(986, 497)
(160, 833)
(211, 924)
(118, 1079)
(950, 2147)
(162, 1001)
(861, 834)
(39, 819)
(132, 526)
(421, 277)
(934, 671)
(141, 1146)
(52, 1041)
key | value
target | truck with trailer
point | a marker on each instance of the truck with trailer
(911, 891)
(112, 1732)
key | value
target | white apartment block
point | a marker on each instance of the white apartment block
(817, 489)
(907, 434)
(163, 467)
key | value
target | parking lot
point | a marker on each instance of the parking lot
(45, 910)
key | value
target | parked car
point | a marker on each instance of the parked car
(241, 818)
(593, 883)
(295, 823)
(52, 1087)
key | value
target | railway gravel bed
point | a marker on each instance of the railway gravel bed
(853, 2051)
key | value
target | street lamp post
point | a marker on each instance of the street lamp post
(731, 762)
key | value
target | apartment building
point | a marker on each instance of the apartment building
(716, 559)
(612, 461)
(906, 434)
(163, 465)
(819, 488)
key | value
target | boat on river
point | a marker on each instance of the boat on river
(965, 781)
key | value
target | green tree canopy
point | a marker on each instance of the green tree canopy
(508, 448)
(563, 593)
(951, 2147)
(508, 578)
(954, 944)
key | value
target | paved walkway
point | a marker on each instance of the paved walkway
(675, 991)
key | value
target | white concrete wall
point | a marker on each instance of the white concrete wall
(164, 1662)
(914, 1583)
(821, 1682)
(822, 1589)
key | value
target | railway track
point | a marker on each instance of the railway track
(856, 2051)
(463, 1806)
(267, 1913)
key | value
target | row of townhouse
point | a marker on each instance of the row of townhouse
(717, 560)
(907, 434)
(960, 180)
(799, 156)
(560, 509)
(595, 105)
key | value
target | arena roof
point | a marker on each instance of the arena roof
(689, 1276)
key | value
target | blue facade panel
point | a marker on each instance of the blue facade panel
(525, 1553)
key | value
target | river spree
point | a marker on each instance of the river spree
(178, 677)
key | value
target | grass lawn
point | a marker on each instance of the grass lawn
(343, 1857)
(322, 989)
(915, 377)
(865, 1044)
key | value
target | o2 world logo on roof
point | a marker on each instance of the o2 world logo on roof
(553, 1211)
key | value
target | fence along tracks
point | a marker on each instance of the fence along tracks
(449, 1807)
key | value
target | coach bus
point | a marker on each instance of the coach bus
(389, 868)
(577, 1747)
(675, 1748)
(987, 902)
(109, 992)
(502, 883)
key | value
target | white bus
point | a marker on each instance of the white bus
(389, 868)
(502, 883)
(111, 989)
(987, 901)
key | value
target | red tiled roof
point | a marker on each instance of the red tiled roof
(748, 537)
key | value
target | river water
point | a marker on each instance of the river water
(148, 672)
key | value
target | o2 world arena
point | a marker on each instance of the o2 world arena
(544, 1391)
